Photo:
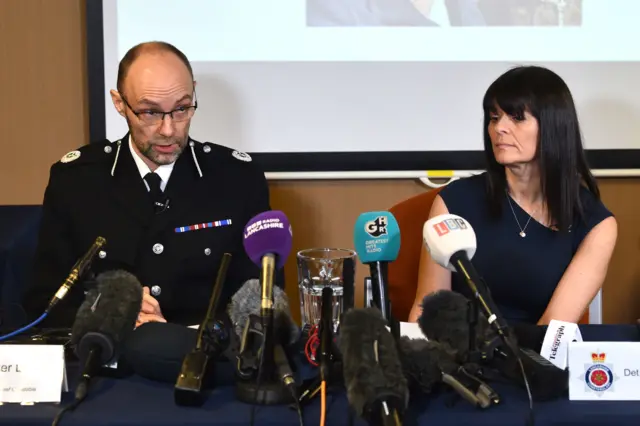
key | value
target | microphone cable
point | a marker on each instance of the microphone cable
(25, 328)
(326, 340)
(323, 402)
(76, 272)
(311, 346)
(516, 352)
(80, 395)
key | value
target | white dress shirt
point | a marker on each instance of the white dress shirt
(163, 171)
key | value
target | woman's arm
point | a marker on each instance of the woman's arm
(584, 275)
(431, 276)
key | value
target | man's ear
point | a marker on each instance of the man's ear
(117, 101)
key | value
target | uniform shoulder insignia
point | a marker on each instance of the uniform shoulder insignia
(70, 156)
(242, 156)
(89, 154)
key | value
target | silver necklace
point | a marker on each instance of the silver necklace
(522, 233)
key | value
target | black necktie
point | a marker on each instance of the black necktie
(153, 180)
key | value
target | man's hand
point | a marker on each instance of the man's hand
(150, 311)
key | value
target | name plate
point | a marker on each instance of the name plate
(32, 373)
(604, 371)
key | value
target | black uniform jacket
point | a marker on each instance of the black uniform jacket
(100, 193)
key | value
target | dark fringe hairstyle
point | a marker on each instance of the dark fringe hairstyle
(560, 154)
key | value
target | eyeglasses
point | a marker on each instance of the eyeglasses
(152, 117)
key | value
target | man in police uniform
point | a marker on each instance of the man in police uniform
(168, 206)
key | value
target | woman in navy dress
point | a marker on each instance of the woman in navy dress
(544, 237)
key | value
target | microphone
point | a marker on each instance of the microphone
(76, 272)
(543, 380)
(451, 242)
(267, 241)
(104, 321)
(326, 333)
(443, 319)
(244, 313)
(423, 362)
(188, 390)
(376, 386)
(427, 363)
(246, 303)
(328, 354)
(161, 206)
(376, 238)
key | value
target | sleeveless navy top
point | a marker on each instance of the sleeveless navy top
(521, 273)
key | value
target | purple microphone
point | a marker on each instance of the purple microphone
(268, 233)
(267, 241)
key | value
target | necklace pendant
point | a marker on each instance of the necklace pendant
(523, 234)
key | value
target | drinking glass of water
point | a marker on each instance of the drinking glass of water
(319, 268)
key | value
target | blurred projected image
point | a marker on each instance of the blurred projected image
(443, 13)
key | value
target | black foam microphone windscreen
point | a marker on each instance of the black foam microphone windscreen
(376, 385)
(110, 309)
(445, 318)
(104, 321)
(424, 361)
(247, 301)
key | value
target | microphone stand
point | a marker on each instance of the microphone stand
(263, 369)
(198, 364)
(328, 357)
(259, 382)
(475, 355)
(326, 333)
(483, 298)
(380, 295)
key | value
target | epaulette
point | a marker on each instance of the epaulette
(89, 154)
(223, 153)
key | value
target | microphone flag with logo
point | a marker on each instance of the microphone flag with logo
(376, 239)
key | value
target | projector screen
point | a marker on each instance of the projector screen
(352, 85)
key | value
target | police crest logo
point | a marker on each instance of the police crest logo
(70, 156)
(242, 156)
(599, 376)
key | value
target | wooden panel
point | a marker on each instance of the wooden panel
(621, 291)
(43, 112)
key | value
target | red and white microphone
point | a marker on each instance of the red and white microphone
(451, 242)
(449, 238)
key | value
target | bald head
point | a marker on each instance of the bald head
(157, 49)
(156, 95)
